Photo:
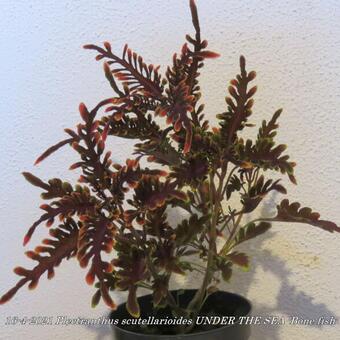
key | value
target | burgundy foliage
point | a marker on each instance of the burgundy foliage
(115, 223)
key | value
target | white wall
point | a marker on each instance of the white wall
(44, 74)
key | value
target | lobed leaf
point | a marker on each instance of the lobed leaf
(53, 149)
(131, 70)
(292, 212)
(96, 235)
(62, 245)
(239, 104)
(188, 229)
(258, 191)
(76, 202)
(240, 259)
(249, 231)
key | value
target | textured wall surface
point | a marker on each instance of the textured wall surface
(44, 74)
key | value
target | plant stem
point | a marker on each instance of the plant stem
(225, 248)
(228, 179)
(215, 197)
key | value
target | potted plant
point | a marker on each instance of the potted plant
(122, 210)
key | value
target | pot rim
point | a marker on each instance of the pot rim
(176, 336)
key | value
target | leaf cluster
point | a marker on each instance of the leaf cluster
(114, 221)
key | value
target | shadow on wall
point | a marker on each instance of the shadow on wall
(290, 302)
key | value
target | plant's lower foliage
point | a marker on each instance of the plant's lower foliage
(225, 266)
(96, 235)
(224, 263)
(188, 230)
(132, 262)
(166, 259)
(240, 259)
(62, 245)
(108, 281)
(250, 231)
(160, 288)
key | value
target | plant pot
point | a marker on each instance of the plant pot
(218, 304)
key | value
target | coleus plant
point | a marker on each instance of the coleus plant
(121, 210)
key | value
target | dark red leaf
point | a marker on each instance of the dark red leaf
(53, 148)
